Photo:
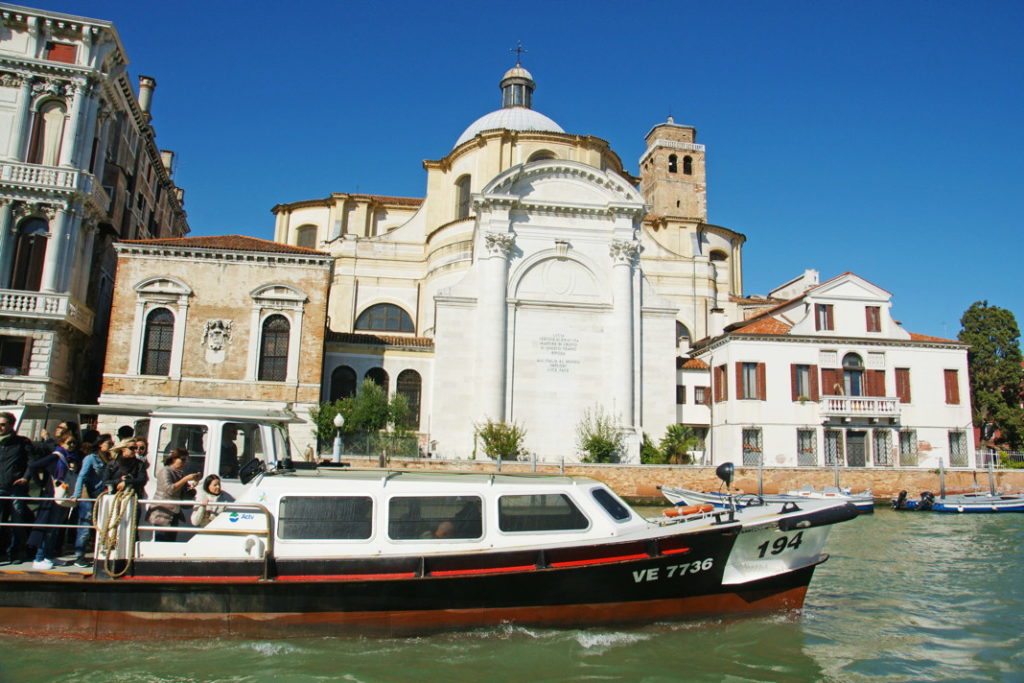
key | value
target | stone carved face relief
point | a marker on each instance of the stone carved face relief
(217, 334)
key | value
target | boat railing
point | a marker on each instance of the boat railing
(144, 505)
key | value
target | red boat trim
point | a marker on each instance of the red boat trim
(491, 570)
(345, 577)
(600, 560)
(675, 551)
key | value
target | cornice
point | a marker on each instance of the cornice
(722, 340)
(324, 261)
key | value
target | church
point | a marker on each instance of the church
(538, 279)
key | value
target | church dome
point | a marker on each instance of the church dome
(517, 88)
(512, 118)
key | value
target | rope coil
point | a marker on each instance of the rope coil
(125, 503)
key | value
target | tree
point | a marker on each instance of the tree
(501, 440)
(368, 412)
(650, 454)
(994, 363)
(677, 443)
(598, 437)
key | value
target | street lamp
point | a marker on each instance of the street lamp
(339, 422)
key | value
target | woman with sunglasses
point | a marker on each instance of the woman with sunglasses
(90, 485)
(126, 471)
(56, 467)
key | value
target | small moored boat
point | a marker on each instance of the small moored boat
(330, 550)
(864, 502)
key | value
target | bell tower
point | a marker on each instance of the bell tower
(672, 173)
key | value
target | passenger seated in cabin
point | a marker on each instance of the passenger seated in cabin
(204, 513)
(229, 452)
(445, 529)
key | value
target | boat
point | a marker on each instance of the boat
(327, 550)
(677, 495)
(970, 502)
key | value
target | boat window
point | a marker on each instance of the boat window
(320, 517)
(429, 517)
(542, 512)
(611, 504)
(240, 442)
(191, 437)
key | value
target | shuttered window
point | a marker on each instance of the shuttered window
(680, 394)
(750, 381)
(823, 318)
(952, 387)
(875, 381)
(903, 384)
(873, 318)
(720, 378)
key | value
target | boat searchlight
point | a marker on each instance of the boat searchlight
(725, 472)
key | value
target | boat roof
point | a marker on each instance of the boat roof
(38, 411)
(411, 479)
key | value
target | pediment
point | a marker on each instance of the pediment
(163, 285)
(850, 286)
(563, 184)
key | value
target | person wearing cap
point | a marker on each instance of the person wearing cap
(125, 470)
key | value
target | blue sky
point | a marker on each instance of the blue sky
(883, 138)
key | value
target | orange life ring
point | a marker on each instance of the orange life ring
(683, 510)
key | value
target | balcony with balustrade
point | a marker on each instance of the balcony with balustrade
(46, 306)
(54, 180)
(863, 407)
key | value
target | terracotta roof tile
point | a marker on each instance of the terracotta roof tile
(227, 243)
(691, 364)
(379, 339)
(924, 337)
(765, 326)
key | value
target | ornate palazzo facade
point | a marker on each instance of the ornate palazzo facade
(79, 169)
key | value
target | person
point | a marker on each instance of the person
(204, 513)
(229, 452)
(445, 529)
(90, 483)
(56, 468)
(142, 450)
(125, 432)
(15, 451)
(47, 444)
(125, 470)
(172, 483)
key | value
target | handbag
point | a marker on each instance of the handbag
(62, 494)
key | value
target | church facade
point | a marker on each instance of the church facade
(538, 280)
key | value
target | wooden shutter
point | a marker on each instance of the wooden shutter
(680, 394)
(707, 396)
(817, 316)
(874, 318)
(875, 383)
(762, 392)
(903, 384)
(952, 387)
(812, 379)
(739, 381)
(828, 314)
(61, 52)
(794, 394)
(829, 379)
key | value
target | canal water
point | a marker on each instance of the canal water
(904, 597)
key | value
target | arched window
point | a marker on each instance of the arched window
(853, 375)
(541, 155)
(274, 349)
(47, 133)
(29, 254)
(305, 236)
(384, 318)
(410, 386)
(672, 163)
(462, 196)
(343, 382)
(682, 333)
(157, 343)
(688, 165)
(379, 377)
(719, 255)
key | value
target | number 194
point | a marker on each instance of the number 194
(780, 544)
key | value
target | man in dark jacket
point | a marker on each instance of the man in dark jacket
(15, 451)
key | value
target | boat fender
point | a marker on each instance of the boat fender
(683, 510)
(254, 547)
(832, 515)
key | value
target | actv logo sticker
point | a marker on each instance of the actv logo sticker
(235, 516)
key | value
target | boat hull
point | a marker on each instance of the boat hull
(719, 571)
(246, 609)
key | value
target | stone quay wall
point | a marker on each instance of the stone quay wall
(640, 482)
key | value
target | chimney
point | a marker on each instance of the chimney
(147, 85)
(716, 322)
